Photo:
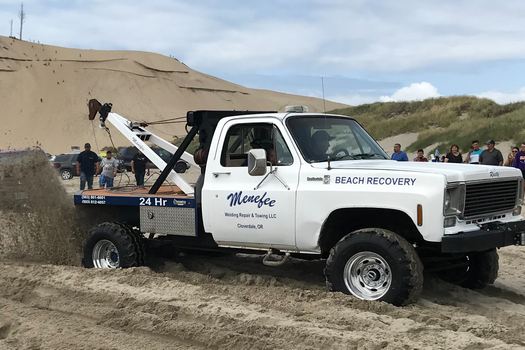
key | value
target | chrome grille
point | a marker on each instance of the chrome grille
(490, 197)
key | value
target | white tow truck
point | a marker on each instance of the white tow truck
(312, 186)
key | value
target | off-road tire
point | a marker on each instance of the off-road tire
(138, 240)
(127, 242)
(481, 269)
(405, 265)
(66, 174)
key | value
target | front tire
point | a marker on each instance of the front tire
(113, 245)
(375, 264)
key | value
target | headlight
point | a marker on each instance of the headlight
(454, 200)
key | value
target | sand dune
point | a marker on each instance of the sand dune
(44, 91)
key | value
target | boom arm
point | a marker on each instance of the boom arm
(139, 135)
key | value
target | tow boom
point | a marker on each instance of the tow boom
(137, 134)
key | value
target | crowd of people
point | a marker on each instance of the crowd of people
(89, 165)
(488, 156)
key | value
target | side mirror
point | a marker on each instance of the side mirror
(257, 162)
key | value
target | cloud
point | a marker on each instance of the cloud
(462, 46)
(412, 92)
(353, 99)
(328, 37)
(504, 97)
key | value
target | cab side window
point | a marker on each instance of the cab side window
(241, 138)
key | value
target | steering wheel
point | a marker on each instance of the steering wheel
(341, 153)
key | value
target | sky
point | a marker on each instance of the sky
(361, 51)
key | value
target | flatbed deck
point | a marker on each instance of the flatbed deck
(166, 196)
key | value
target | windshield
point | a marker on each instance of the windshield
(336, 138)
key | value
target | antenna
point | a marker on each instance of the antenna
(324, 103)
(325, 123)
(22, 16)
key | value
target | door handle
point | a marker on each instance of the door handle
(216, 174)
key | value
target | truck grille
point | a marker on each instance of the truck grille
(490, 198)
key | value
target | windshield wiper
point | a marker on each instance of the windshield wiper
(342, 157)
(365, 155)
(347, 156)
(355, 156)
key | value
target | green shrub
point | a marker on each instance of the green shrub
(444, 120)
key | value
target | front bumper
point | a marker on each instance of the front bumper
(489, 236)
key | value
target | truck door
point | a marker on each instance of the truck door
(244, 210)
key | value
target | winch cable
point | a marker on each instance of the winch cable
(94, 134)
(166, 121)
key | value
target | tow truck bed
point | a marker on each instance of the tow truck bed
(168, 212)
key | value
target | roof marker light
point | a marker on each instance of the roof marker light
(296, 109)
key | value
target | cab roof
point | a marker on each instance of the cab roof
(212, 117)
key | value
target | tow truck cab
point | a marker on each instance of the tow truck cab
(325, 171)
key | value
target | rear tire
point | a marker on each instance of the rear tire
(113, 245)
(479, 270)
(375, 264)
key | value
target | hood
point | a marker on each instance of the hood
(452, 171)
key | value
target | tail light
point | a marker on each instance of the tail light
(56, 165)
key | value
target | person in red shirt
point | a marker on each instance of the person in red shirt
(420, 156)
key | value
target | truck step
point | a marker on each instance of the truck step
(274, 258)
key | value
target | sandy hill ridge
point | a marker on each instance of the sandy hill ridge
(44, 91)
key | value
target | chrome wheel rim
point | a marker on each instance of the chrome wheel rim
(367, 275)
(105, 255)
(66, 175)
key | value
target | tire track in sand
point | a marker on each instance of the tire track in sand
(204, 304)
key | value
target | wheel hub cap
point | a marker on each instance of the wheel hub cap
(105, 255)
(367, 275)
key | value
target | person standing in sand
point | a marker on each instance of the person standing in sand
(420, 156)
(138, 167)
(510, 157)
(491, 156)
(87, 167)
(109, 167)
(475, 152)
(454, 156)
(519, 160)
(398, 154)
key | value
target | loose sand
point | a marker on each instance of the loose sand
(234, 302)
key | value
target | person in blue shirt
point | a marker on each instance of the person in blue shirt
(398, 154)
(475, 152)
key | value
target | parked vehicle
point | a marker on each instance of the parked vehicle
(126, 154)
(66, 165)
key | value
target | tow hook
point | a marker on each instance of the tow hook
(274, 258)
